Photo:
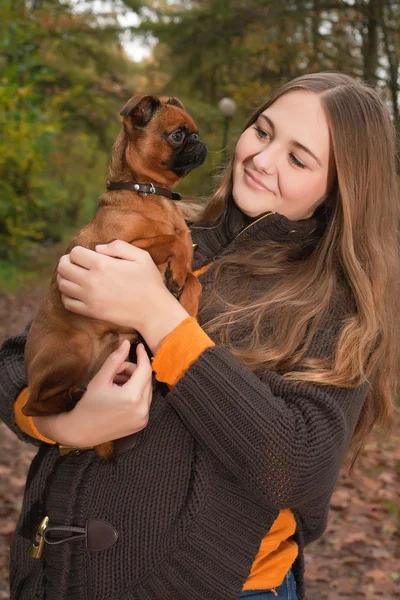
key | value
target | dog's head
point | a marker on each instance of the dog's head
(159, 143)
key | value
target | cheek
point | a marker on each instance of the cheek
(243, 147)
(238, 163)
(304, 188)
(319, 187)
(237, 156)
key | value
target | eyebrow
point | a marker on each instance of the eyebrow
(293, 142)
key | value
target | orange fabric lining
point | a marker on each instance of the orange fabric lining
(275, 556)
(201, 270)
(25, 423)
(179, 350)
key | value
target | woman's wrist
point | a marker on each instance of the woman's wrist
(165, 318)
(55, 427)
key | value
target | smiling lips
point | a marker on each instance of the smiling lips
(253, 182)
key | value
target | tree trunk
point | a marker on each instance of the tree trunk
(315, 24)
(392, 55)
(371, 11)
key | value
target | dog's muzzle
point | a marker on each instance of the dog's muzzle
(190, 156)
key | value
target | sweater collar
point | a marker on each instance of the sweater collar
(233, 229)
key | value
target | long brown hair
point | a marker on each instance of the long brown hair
(359, 249)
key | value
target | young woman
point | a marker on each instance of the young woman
(242, 428)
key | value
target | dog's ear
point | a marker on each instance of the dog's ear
(173, 101)
(139, 110)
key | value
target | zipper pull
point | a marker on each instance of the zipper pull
(36, 546)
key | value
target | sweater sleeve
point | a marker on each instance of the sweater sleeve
(13, 381)
(179, 350)
(285, 440)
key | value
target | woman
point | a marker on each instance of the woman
(240, 436)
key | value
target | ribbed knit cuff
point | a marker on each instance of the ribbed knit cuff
(13, 381)
(25, 423)
(179, 350)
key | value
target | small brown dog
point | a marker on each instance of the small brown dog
(159, 143)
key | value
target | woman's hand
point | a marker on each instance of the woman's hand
(122, 292)
(116, 403)
(129, 292)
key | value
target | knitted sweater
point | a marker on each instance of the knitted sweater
(223, 453)
(178, 351)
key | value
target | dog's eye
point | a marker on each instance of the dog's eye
(177, 136)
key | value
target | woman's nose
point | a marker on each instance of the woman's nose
(266, 161)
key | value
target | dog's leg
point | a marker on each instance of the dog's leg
(190, 295)
(55, 370)
(171, 283)
(173, 258)
(167, 248)
(57, 385)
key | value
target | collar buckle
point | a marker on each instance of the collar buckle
(152, 189)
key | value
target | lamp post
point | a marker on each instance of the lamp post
(227, 106)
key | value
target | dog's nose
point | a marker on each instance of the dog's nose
(194, 136)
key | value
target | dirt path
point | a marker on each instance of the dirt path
(359, 556)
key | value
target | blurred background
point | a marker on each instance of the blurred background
(66, 69)
(68, 66)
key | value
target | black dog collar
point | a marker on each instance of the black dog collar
(144, 188)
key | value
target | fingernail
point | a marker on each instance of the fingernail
(101, 246)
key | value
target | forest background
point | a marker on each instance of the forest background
(64, 76)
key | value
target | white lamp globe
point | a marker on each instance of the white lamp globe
(227, 106)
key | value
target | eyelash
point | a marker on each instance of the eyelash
(292, 157)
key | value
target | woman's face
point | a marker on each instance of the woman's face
(281, 161)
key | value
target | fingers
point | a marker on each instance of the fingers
(127, 368)
(69, 288)
(83, 257)
(143, 372)
(74, 305)
(112, 365)
(149, 392)
(69, 270)
(121, 379)
(78, 262)
(143, 361)
(125, 372)
(120, 249)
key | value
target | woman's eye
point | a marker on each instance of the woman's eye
(177, 136)
(262, 133)
(296, 162)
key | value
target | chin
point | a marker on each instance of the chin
(254, 205)
(253, 209)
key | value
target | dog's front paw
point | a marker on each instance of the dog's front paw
(73, 396)
(172, 285)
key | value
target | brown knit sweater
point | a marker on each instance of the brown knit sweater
(222, 454)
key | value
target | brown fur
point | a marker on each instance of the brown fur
(65, 350)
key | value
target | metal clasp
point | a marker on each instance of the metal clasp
(36, 546)
(65, 450)
(152, 189)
